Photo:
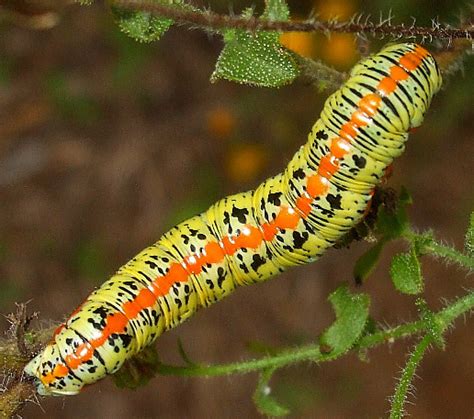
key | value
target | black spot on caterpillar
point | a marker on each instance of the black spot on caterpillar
(290, 219)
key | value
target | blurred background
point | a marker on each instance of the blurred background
(106, 143)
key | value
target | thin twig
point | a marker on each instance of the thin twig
(445, 317)
(406, 378)
(214, 21)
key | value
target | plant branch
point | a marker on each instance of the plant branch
(313, 352)
(12, 400)
(444, 318)
(215, 21)
(450, 254)
(319, 74)
(428, 245)
(400, 396)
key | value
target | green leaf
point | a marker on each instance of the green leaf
(257, 59)
(352, 312)
(265, 403)
(405, 271)
(469, 241)
(367, 262)
(276, 10)
(141, 26)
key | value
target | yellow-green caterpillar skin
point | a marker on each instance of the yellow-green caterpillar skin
(289, 219)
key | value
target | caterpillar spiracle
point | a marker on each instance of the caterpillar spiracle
(289, 219)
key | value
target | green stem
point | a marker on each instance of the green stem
(450, 254)
(389, 335)
(313, 353)
(408, 372)
(310, 352)
(290, 356)
(461, 306)
(427, 244)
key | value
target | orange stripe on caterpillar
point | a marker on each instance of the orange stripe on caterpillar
(252, 235)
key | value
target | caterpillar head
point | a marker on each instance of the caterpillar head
(65, 365)
(51, 376)
(80, 353)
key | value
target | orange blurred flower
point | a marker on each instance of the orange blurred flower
(221, 122)
(328, 9)
(339, 50)
(300, 42)
(245, 162)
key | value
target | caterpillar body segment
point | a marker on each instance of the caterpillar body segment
(290, 219)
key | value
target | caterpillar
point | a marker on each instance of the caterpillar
(289, 219)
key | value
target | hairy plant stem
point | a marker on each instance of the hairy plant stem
(13, 400)
(313, 352)
(214, 21)
(428, 245)
(451, 254)
(400, 396)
